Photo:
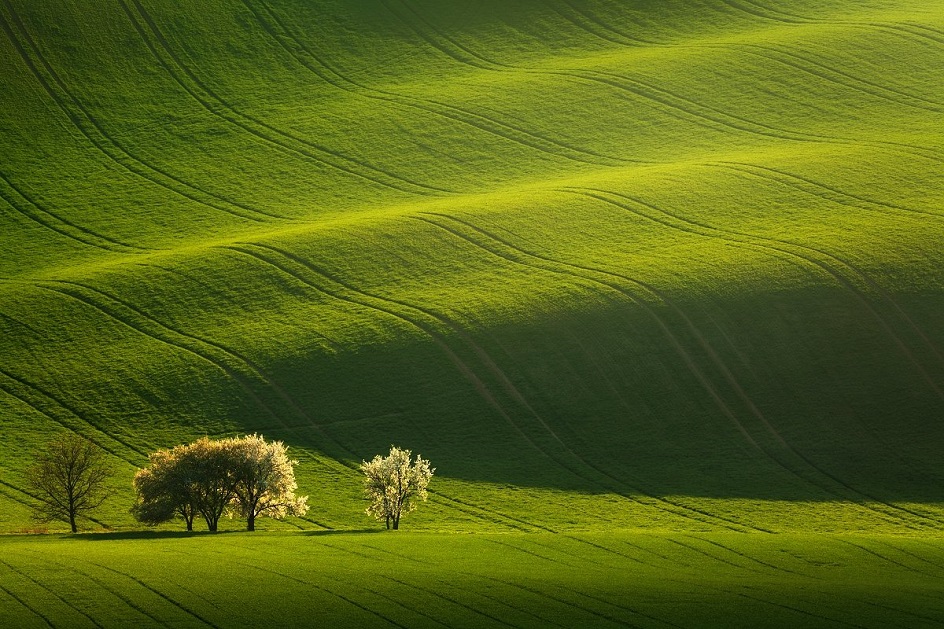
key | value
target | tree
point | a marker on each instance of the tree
(212, 477)
(206, 466)
(265, 480)
(394, 486)
(164, 491)
(70, 479)
(191, 479)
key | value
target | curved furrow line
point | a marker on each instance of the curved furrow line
(909, 28)
(51, 592)
(686, 570)
(584, 22)
(32, 210)
(593, 274)
(689, 107)
(897, 610)
(303, 54)
(834, 266)
(586, 76)
(207, 348)
(584, 559)
(589, 17)
(312, 585)
(421, 319)
(429, 322)
(668, 100)
(156, 591)
(94, 132)
(820, 70)
(827, 73)
(49, 406)
(13, 492)
(153, 329)
(626, 608)
(538, 555)
(732, 121)
(797, 610)
(414, 609)
(257, 371)
(835, 195)
(435, 593)
(438, 594)
(911, 554)
(516, 257)
(265, 132)
(244, 373)
(922, 102)
(701, 552)
(924, 27)
(29, 607)
(887, 559)
(827, 192)
(756, 11)
(115, 592)
(751, 559)
(547, 595)
(369, 301)
(454, 50)
(476, 510)
(751, 240)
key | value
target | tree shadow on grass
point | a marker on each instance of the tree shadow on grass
(325, 533)
(140, 535)
(145, 535)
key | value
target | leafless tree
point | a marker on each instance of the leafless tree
(70, 479)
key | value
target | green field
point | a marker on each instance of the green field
(616, 579)
(619, 269)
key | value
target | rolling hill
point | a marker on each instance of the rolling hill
(665, 264)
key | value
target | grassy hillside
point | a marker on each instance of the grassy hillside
(669, 264)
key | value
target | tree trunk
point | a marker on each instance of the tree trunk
(251, 522)
(72, 523)
(189, 524)
(388, 522)
(211, 526)
(396, 523)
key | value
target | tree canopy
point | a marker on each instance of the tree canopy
(394, 485)
(244, 475)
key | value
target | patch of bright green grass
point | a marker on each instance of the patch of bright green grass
(419, 580)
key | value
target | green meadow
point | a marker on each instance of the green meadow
(656, 285)
(612, 579)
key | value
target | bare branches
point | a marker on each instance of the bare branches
(70, 478)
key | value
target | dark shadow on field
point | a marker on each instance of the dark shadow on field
(795, 392)
(332, 532)
(143, 535)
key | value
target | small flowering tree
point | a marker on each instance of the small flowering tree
(265, 480)
(394, 485)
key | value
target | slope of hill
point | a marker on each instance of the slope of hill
(607, 264)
